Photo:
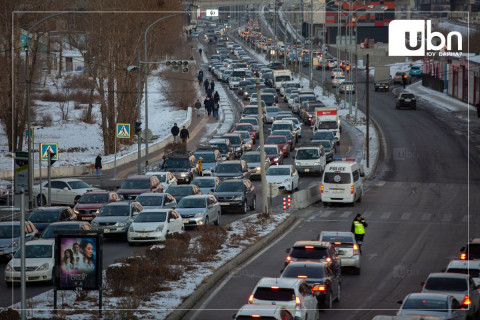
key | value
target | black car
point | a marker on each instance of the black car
(42, 217)
(224, 146)
(471, 251)
(182, 164)
(232, 169)
(269, 98)
(272, 91)
(275, 66)
(237, 143)
(407, 100)
(50, 232)
(242, 85)
(236, 194)
(316, 251)
(178, 191)
(324, 282)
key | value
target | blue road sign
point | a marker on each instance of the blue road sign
(46, 147)
(123, 130)
(27, 134)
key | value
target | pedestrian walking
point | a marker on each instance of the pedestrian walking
(175, 131)
(404, 81)
(200, 51)
(216, 107)
(216, 97)
(206, 84)
(200, 77)
(199, 165)
(209, 105)
(209, 92)
(212, 85)
(197, 105)
(98, 165)
(358, 229)
(184, 135)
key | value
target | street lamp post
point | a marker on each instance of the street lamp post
(311, 47)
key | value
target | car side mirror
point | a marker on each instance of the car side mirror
(462, 249)
(287, 250)
(422, 283)
(66, 189)
(362, 174)
(117, 187)
(400, 301)
(443, 270)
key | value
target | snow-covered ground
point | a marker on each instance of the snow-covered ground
(79, 143)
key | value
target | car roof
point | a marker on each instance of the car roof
(346, 163)
(153, 194)
(151, 173)
(138, 177)
(69, 222)
(430, 296)
(231, 161)
(475, 240)
(279, 282)
(282, 166)
(232, 180)
(196, 196)
(259, 309)
(40, 241)
(448, 275)
(67, 179)
(464, 264)
(119, 203)
(314, 243)
(206, 178)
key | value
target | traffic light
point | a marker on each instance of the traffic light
(138, 127)
(177, 65)
(51, 155)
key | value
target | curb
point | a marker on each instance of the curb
(374, 168)
(211, 281)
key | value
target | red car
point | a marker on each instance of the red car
(275, 155)
(91, 202)
(281, 142)
(246, 127)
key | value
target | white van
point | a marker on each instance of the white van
(342, 182)
(471, 267)
(310, 159)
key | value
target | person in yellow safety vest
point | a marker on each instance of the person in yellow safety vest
(199, 165)
(358, 229)
(348, 68)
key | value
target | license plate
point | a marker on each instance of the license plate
(143, 235)
(86, 218)
(186, 220)
(337, 191)
(307, 170)
(224, 203)
(106, 230)
(341, 252)
(407, 100)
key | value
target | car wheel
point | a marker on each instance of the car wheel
(41, 200)
(245, 208)
(207, 221)
(131, 244)
(339, 292)
(354, 201)
(325, 204)
(217, 222)
(254, 204)
(291, 188)
(8, 283)
(329, 302)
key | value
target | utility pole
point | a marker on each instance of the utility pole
(367, 86)
(356, 68)
(311, 46)
(139, 136)
(262, 151)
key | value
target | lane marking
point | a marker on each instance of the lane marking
(406, 216)
(326, 213)
(346, 214)
(386, 215)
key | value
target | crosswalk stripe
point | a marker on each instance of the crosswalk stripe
(406, 216)
(367, 214)
(381, 183)
(326, 214)
(386, 215)
(345, 214)
(426, 216)
(447, 217)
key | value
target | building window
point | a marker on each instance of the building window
(378, 16)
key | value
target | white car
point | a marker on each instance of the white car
(259, 311)
(64, 191)
(346, 247)
(292, 102)
(471, 267)
(431, 306)
(285, 176)
(336, 72)
(274, 292)
(347, 86)
(298, 125)
(166, 178)
(337, 81)
(152, 225)
(234, 82)
(39, 262)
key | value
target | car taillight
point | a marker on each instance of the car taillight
(352, 189)
(250, 299)
(466, 301)
(463, 256)
(355, 250)
(297, 301)
(289, 259)
(328, 259)
(255, 316)
(321, 188)
(319, 288)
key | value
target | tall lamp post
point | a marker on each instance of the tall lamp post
(29, 121)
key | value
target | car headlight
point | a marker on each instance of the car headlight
(9, 268)
(238, 149)
(258, 168)
(200, 214)
(13, 244)
(316, 163)
(238, 198)
(76, 211)
(123, 224)
(183, 174)
(298, 164)
(160, 228)
(276, 159)
(249, 145)
(44, 266)
(130, 229)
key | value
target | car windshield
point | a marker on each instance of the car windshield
(275, 171)
(234, 139)
(236, 186)
(45, 215)
(180, 190)
(229, 168)
(151, 217)
(336, 238)
(206, 157)
(327, 125)
(251, 157)
(250, 110)
(176, 163)
(93, 198)
(276, 140)
(474, 273)
(425, 304)
(78, 185)
(446, 284)
(273, 110)
(204, 183)
(285, 133)
(336, 177)
(295, 120)
(323, 135)
(312, 107)
(222, 147)
(306, 98)
(112, 211)
(308, 253)
(407, 96)
(49, 232)
(9, 231)
(150, 201)
(161, 176)
(245, 135)
(38, 251)
(293, 271)
(282, 126)
(135, 184)
(274, 294)
(306, 154)
(192, 203)
(326, 144)
(244, 127)
(252, 121)
(271, 151)
(282, 78)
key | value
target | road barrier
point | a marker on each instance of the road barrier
(284, 204)
(306, 197)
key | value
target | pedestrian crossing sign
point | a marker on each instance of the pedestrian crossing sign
(123, 130)
(46, 147)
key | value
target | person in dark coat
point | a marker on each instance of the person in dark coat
(184, 135)
(200, 77)
(216, 97)
(175, 131)
(206, 84)
(209, 92)
(209, 105)
(98, 165)
(212, 85)
(216, 106)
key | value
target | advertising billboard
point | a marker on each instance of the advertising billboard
(78, 262)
